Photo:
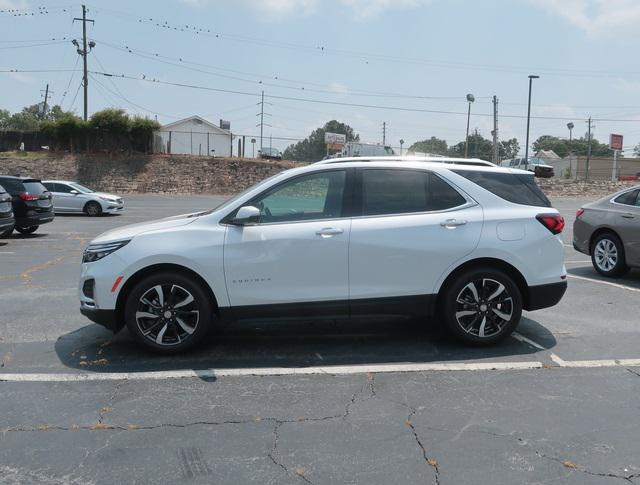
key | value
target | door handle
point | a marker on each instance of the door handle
(329, 231)
(453, 223)
(628, 216)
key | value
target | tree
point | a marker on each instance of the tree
(479, 147)
(313, 148)
(141, 131)
(433, 145)
(636, 150)
(578, 146)
(508, 149)
(67, 130)
(5, 118)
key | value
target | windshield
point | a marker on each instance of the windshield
(81, 188)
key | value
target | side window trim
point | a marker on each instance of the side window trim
(347, 197)
(635, 204)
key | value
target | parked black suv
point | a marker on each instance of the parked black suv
(7, 220)
(31, 201)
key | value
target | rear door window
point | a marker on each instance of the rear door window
(517, 188)
(13, 186)
(406, 191)
(629, 198)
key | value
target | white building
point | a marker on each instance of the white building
(193, 136)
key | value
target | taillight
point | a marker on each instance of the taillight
(27, 196)
(553, 222)
(579, 212)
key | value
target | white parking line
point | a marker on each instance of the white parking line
(609, 283)
(271, 371)
(595, 363)
(522, 338)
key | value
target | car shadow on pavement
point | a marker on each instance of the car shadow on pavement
(288, 344)
(35, 235)
(631, 279)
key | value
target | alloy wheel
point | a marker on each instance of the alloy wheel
(606, 255)
(167, 314)
(484, 307)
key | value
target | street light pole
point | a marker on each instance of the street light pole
(570, 125)
(401, 143)
(470, 99)
(526, 147)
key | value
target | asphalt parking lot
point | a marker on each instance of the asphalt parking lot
(333, 402)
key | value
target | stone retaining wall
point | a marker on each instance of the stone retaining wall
(183, 174)
(170, 174)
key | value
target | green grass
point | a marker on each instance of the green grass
(26, 155)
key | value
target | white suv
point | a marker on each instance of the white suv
(474, 245)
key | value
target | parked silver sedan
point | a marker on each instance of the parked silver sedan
(70, 197)
(609, 230)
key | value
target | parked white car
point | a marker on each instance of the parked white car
(70, 197)
(475, 245)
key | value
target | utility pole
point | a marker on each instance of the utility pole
(588, 146)
(262, 114)
(526, 147)
(384, 133)
(83, 52)
(46, 99)
(475, 143)
(495, 130)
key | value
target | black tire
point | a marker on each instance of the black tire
(27, 230)
(175, 337)
(92, 209)
(6, 234)
(459, 299)
(609, 244)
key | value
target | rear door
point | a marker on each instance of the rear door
(413, 226)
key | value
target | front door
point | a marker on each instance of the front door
(294, 261)
(413, 226)
(628, 225)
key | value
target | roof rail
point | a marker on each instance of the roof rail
(452, 161)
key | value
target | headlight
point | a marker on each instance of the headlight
(94, 252)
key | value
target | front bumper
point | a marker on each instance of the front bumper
(545, 296)
(106, 318)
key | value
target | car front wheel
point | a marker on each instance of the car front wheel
(608, 256)
(481, 306)
(168, 312)
(93, 209)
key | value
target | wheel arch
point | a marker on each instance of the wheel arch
(91, 201)
(157, 268)
(495, 263)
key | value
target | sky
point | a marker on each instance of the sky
(408, 63)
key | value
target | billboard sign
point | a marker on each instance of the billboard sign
(335, 138)
(615, 142)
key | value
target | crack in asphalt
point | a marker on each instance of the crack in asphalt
(633, 372)
(106, 409)
(274, 450)
(579, 468)
(432, 462)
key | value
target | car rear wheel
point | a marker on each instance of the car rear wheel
(482, 306)
(168, 312)
(93, 209)
(27, 230)
(608, 256)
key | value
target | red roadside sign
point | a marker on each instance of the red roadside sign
(615, 142)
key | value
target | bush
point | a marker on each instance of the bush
(141, 132)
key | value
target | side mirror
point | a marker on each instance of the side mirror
(246, 216)
(74, 192)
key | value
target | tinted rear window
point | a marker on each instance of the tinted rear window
(34, 187)
(629, 198)
(516, 188)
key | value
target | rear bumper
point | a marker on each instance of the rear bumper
(545, 296)
(106, 318)
(36, 219)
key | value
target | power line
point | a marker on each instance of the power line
(341, 103)
(58, 42)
